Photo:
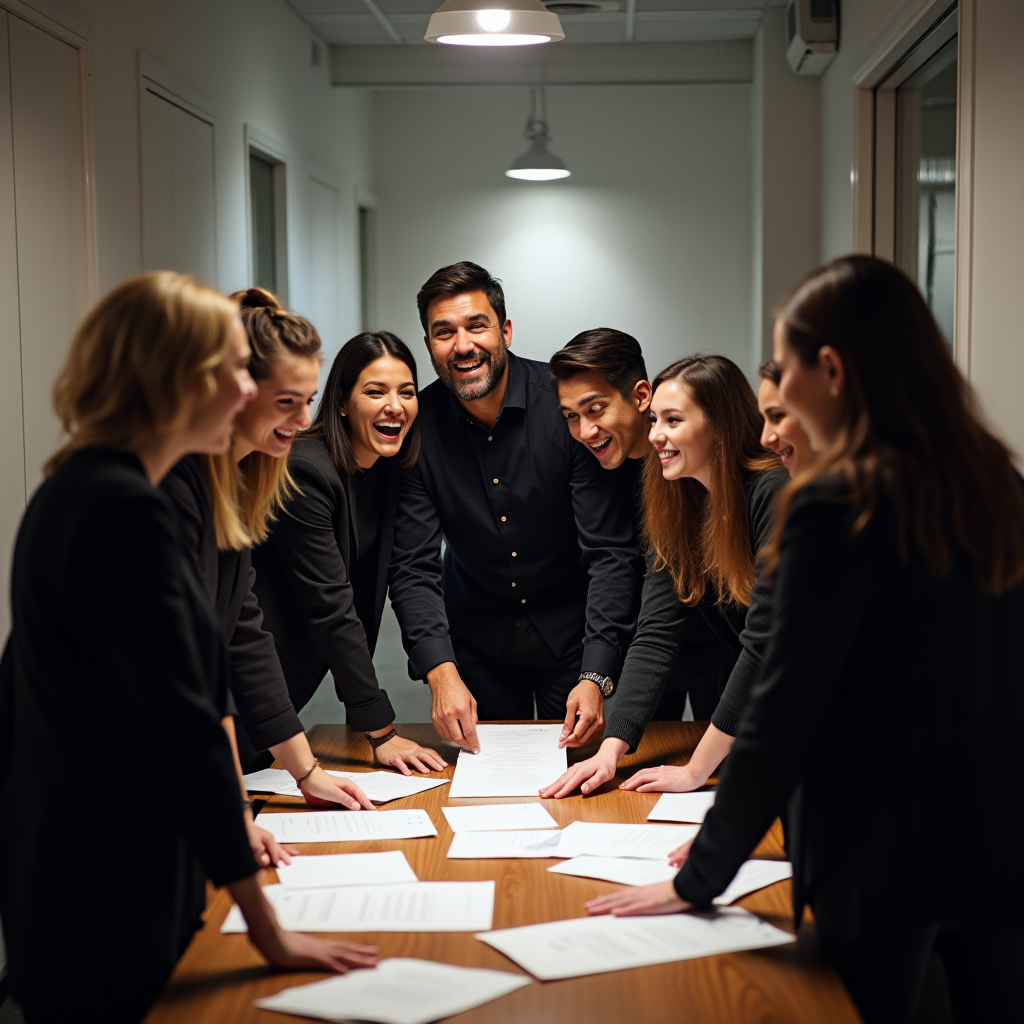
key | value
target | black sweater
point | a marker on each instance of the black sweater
(666, 625)
(114, 654)
(322, 612)
(909, 806)
(265, 713)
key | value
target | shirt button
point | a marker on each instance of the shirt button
(490, 439)
(513, 584)
(503, 519)
(522, 600)
(513, 554)
(495, 480)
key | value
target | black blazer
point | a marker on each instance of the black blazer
(890, 704)
(668, 629)
(265, 715)
(320, 618)
(115, 654)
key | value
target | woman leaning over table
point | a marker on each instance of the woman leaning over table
(222, 509)
(322, 573)
(112, 639)
(709, 500)
(900, 573)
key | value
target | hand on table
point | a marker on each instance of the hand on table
(293, 951)
(400, 753)
(323, 790)
(678, 857)
(453, 710)
(265, 848)
(660, 898)
(584, 715)
(665, 779)
(590, 774)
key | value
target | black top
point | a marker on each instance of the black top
(533, 525)
(115, 653)
(908, 810)
(322, 580)
(666, 625)
(265, 713)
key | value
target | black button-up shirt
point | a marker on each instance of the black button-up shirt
(534, 526)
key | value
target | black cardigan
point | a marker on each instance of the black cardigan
(265, 713)
(890, 706)
(304, 585)
(666, 625)
(114, 654)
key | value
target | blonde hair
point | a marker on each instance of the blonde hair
(246, 496)
(140, 361)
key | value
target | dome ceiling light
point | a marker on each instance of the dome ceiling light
(493, 23)
(538, 163)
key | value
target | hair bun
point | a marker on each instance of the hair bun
(256, 298)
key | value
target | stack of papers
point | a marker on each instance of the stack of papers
(593, 945)
(380, 787)
(499, 845)
(498, 817)
(682, 806)
(346, 826)
(397, 991)
(419, 907)
(514, 760)
(336, 869)
(604, 839)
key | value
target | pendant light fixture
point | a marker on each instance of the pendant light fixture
(493, 23)
(538, 163)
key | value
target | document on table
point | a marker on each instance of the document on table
(605, 839)
(502, 845)
(682, 807)
(380, 787)
(593, 945)
(398, 991)
(498, 817)
(754, 875)
(419, 907)
(514, 760)
(624, 870)
(334, 869)
(345, 826)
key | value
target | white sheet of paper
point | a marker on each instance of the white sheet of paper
(682, 807)
(754, 875)
(500, 845)
(419, 907)
(398, 991)
(333, 869)
(624, 870)
(514, 760)
(498, 818)
(345, 826)
(605, 839)
(593, 945)
(380, 787)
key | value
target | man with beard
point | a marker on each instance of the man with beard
(538, 593)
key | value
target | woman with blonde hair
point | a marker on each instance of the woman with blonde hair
(709, 501)
(112, 638)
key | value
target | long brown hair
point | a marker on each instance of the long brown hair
(702, 536)
(909, 426)
(247, 495)
(141, 359)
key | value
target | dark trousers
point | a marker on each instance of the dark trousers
(506, 683)
(697, 671)
(885, 972)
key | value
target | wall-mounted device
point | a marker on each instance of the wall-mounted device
(812, 35)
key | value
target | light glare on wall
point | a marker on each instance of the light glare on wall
(538, 163)
(483, 23)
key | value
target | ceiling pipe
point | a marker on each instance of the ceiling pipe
(630, 20)
(386, 23)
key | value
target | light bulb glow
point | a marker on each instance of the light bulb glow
(493, 21)
(495, 40)
(538, 173)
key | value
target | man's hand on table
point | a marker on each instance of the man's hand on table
(400, 753)
(590, 774)
(453, 710)
(323, 790)
(584, 715)
(660, 898)
(265, 848)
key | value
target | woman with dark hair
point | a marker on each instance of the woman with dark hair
(322, 574)
(783, 433)
(900, 566)
(709, 501)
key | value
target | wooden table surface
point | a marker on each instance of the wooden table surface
(220, 976)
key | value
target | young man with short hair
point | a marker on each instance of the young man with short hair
(538, 593)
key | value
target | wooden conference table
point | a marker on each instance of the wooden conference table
(220, 976)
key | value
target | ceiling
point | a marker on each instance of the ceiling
(376, 22)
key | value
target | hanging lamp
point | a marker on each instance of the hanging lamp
(538, 163)
(493, 23)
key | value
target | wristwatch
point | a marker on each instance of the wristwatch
(604, 683)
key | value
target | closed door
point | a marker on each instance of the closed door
(324, 269)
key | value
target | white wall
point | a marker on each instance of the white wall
(651, 234)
